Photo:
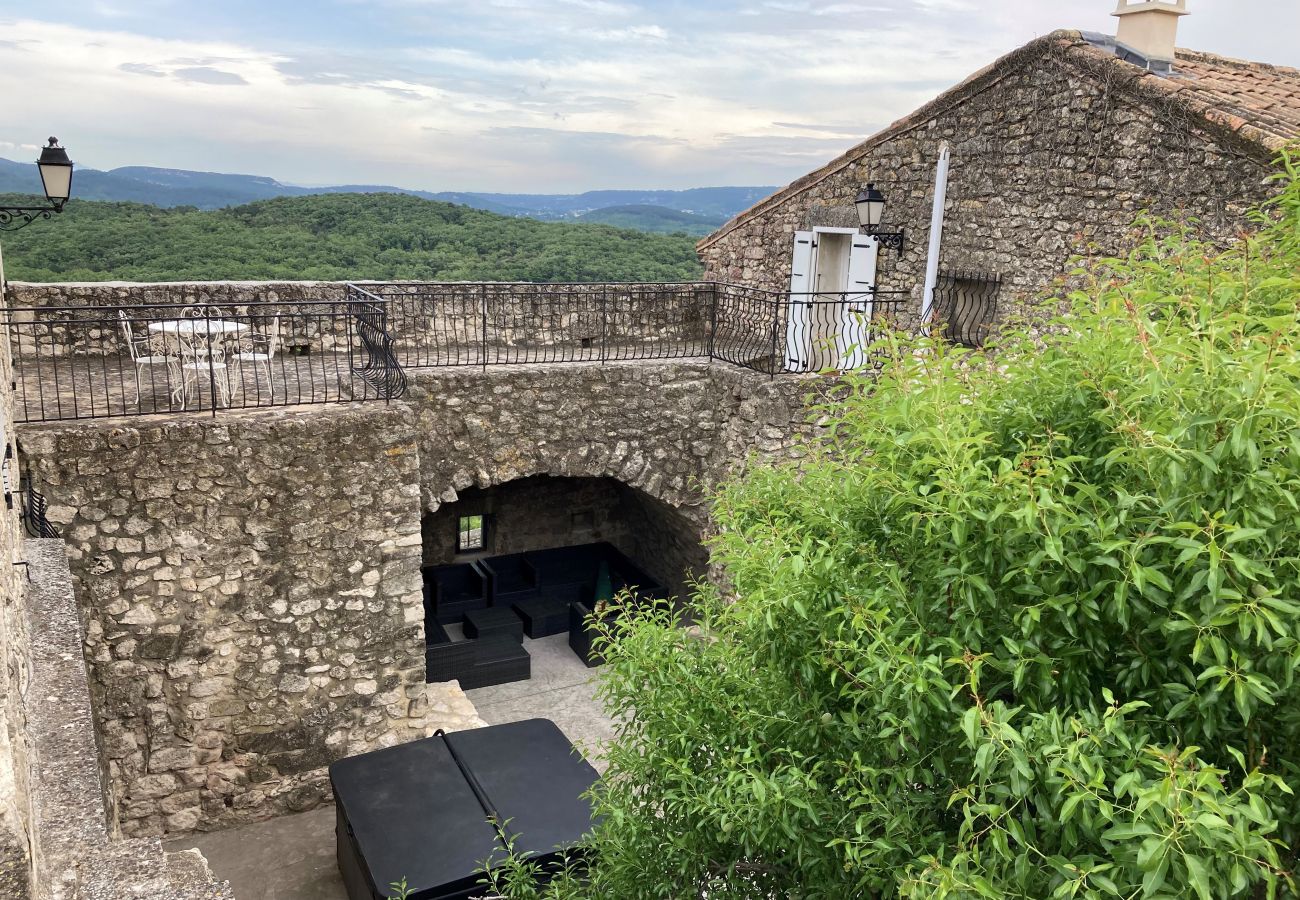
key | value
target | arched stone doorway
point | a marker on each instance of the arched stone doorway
(542, 512)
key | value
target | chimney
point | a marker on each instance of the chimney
(1149, 28)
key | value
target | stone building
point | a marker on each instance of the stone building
(1055, 149)
(236, 598)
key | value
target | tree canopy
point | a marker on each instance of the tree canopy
(1019, 625)
(334, 237)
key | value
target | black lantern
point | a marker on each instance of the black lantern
(871, 207)
(56, 174)
(56, 181)
(870, 204)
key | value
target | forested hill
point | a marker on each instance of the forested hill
(213, 190)
(333, 237)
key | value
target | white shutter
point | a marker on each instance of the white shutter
(855, 325)
(798, 328)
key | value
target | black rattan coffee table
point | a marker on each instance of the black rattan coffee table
(493, 622)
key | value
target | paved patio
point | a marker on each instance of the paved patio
(292, 857)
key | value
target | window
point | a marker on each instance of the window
(471, 534)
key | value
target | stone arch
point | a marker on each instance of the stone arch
(543, 511)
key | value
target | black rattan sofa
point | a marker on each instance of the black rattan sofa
(475, 663)
(510, 579)
(624, 575)
(450, 591)
(582, 634)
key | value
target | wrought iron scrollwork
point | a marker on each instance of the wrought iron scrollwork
(378, 366)
(889, 240)
(13, 218)
(966, 306)
(33, 514)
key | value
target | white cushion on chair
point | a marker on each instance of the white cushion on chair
(152, 360)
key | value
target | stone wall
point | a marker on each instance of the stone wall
(1053, 155)
(251, 582)
(663, 542)
(77, 852)
(14, 659)
(253, 597)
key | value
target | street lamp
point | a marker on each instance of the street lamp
(56, 180)
(870, 203)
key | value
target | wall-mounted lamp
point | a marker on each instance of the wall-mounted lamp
(870, 203)
(56, 180)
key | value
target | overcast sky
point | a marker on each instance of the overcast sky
(520, 95)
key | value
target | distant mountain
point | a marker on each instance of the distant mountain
(214, 190)
(659, 219)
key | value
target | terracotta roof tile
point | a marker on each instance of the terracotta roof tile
(1240, 93)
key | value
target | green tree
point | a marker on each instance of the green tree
(1017, 626)
(335, 237)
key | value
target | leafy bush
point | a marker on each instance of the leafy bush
(1018, 626)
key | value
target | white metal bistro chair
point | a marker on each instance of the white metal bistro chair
(205, 365)
(258, 349)
(146, 356)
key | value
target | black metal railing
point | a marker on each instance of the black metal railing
(139, 359)
(373, 359)
(33, 513)
(94, 362)
(774, 332)
(502, 323)
(966, 306)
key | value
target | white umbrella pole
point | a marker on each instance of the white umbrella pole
(936, 237)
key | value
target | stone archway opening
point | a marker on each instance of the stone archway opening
(511, 571)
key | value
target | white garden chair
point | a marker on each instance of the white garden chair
(146, 357)
(205, 364)
(259, 349)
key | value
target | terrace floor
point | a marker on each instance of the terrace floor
(292, 857)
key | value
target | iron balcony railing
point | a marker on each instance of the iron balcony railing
(98, 361)
(85, 362)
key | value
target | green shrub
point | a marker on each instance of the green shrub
(1018, 626)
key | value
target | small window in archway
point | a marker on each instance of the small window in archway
(471, 534)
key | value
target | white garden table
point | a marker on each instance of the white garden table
(194, 338)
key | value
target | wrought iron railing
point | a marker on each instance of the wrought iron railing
(966, 306)
(502, 323)
(775, 332)
(33, 511)
(373, 359)
(95, 361)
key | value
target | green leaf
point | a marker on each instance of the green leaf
(1197, 877)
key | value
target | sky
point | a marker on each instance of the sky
(541, 96)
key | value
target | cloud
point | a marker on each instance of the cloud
(208, 75)
(543, 95)
(847, 128)
(142, 69)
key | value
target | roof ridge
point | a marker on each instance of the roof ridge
(1088, 58)
(1207, 56)
(968, 85)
